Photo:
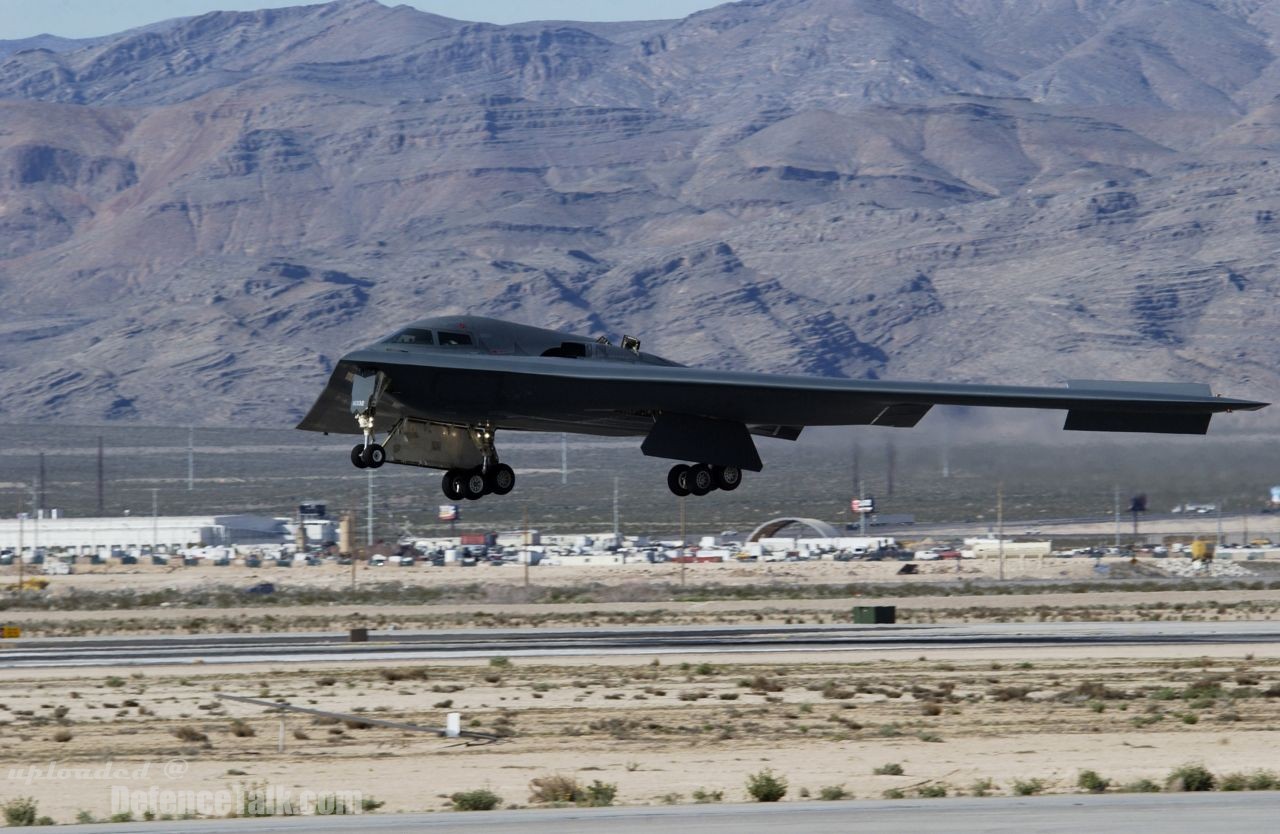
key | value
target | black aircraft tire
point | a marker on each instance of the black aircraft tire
(727, 478)
(474, 486)
(700, 480)
(357, 456)
(374, 456)
(501, 479)
(677, 480)
(451, 485)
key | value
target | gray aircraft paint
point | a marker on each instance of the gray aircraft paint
(505, 379)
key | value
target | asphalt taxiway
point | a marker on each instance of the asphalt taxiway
(399, 646)
(1222, 813)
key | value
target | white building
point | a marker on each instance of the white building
(981, 548)
(90, 535)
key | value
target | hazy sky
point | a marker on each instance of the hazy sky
(87, 18)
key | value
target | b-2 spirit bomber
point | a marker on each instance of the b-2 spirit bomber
(440, 389)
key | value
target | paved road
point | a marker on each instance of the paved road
(1221, 813)
(418, 645)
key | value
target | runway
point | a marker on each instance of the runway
(640, 640)
(1222, 813)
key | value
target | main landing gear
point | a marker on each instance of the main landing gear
(473, 484)
(702, 478)
(491, 477)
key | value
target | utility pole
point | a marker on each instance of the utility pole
(857, 475)
(369, 532)
(1219, 522)
(617, 537)
(564, 458)
(862, 517)
(681, 551)
(1000, 525)
(44, 493)
(101, 505)
(35, 529)
(1117, 512)
(527, 556)
(155, 523)
(21, 524)
(191, 458)
(890, 461)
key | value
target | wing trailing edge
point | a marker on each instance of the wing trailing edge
(1136, 421)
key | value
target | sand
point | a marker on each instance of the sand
(654, 731)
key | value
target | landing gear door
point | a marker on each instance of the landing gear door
(366, 388)
(419, 443)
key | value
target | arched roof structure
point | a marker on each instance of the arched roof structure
(769, 529)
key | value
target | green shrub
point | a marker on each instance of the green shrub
(19, 812)
(481, 799)
(240, 729)
(1233, 782)
(190, 734)
(1263, 780)
(1029, 787)
(982, 787)
(831, 793)
(1191, 777)
(890, 769)
(703, 796)
(598, 794)
(894, 793)
(1141, 786)
(554, 788)
(932, 791)
(766, 787)
(1090, 781)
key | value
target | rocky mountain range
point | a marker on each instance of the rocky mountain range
(198, 217)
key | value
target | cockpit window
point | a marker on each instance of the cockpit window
(454, 338)
(412, 336)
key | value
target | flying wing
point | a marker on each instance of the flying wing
(532, 379)
(525, 392)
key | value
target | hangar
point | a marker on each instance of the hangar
(770, 529)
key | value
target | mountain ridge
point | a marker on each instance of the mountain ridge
(960, 189)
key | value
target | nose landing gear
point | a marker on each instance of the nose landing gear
(702, 478)
(366, 388)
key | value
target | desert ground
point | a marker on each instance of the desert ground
(211, 600)
(663, 731)
(671, 729)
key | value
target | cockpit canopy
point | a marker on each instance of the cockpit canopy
(422, 336)
(498, 338)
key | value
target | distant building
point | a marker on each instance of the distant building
(89, 535)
